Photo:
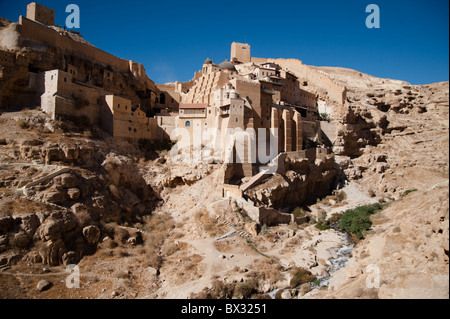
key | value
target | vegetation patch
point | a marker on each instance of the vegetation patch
(301, 276)
(357, 221)
(409, 191)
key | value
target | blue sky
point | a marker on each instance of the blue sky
(173, 38)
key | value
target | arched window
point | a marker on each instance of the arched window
(188, 123)
(162, 98)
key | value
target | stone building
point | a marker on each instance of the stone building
(243, 98)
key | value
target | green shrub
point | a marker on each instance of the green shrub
(301, 276)
(322, 223)
(324, 117)
(409, 191)
(357, 221)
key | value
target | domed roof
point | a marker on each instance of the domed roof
(207, 61)
(227, 65)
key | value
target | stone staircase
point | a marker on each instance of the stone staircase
(233, 231)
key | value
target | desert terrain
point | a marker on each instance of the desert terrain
(139, 225)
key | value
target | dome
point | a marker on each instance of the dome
(207, 61)
(227, 65)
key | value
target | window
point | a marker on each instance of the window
(118, 105)
(65, 80)
(237, 119)
(162, 98)
(209, 111)
(188, 124)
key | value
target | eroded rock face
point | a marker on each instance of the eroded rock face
(302, 183)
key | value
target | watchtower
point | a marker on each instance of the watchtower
(40, 13)
(240, 52)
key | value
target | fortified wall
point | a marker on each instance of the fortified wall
(32, 30)
(335, 91)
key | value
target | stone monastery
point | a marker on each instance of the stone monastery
(115, 94)
(275, 103)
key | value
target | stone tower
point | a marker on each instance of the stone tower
(240, 52)
(40, 13)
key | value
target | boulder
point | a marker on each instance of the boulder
(43, 285)
(68, 181)
(70, 258)
(29, 224)
(304, 289)
(6, 223)
(286, 294)
(20, 240)
(52, 251)
(73, 193)
(55, 197)
(51, 229)
(91, 234)
(57, 224)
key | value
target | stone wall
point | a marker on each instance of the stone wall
(240, 52)
(40, 13)
(32, 30)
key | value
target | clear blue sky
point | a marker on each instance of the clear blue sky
(172, 38)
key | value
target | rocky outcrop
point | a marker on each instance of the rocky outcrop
(302, 183)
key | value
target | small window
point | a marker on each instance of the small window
(118, 105)
(209, 111)
(52, 77)
(187, 124)
(65, 80)
(237, 119)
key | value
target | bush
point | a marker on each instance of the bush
(298, 212)
(245, 289)
(324, 117)
(357, 221)
(219, 290)
(301, 276)
(340, 196)
(322, 223)
(409, 191)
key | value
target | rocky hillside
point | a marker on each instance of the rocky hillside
(140, 225)
(392, 139)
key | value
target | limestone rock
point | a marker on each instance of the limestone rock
(91, 234)
(43, 285)
(52, 251)
(29, 224)
(70, 258)
(20, 240)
